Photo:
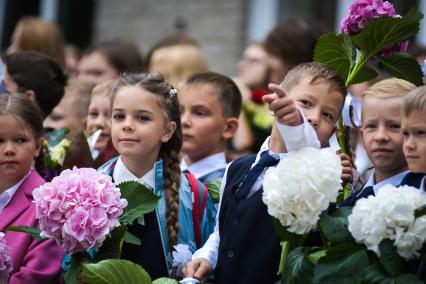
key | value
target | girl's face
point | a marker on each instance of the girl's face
(18, 148)
(96, 68)
(138, 127)
(253, 67)
(99, 117)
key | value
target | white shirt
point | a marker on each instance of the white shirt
(8, 194)
(393, 180)
(205, 166)
(121, 174)
(210, 249)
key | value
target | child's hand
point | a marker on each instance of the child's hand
(284, 108)
(198, 268)
(347, 168)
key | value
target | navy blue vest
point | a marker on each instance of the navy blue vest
(410, 179)
(249, 248)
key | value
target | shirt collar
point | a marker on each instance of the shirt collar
(265, 147)
(8, 194)
(121, 173)
(206, 165)
(393, 180)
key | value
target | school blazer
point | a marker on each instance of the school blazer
(33, 261)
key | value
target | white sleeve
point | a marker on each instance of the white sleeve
(210, 249)
(300, 136)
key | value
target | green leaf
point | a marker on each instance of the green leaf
(70, 276)
(132, 239)
(403, 66)
(35, 232)
(389, 258)
(337, 51)
(414, 14)
(376, 274)
(342, 264)
(285, 235)
(297, 268)
(214, 189)
(382, 32)
(111, 248)
(141, 200)
(55, 136)
(419, 212)
(114, 271)
(335, 226)
(316, 256)
(363, 75)
(164, 280)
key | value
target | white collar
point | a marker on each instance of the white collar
(205, 166)
(8, 194)
(121, 174)
(393, 180)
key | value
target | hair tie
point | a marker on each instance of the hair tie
(172, 93)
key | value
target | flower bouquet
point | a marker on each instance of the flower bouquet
(372, 31)
(380, 240)
(87, 215)
(6, 265)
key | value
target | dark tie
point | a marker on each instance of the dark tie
(365, 192)
(265, 161)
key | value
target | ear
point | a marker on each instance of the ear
(169, 131)
(39, 144)
(31, 95)
(230, 128)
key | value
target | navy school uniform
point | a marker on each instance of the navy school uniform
(249, 248)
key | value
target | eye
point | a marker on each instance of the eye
(93, 114)
(143, 118)
(305, 103)
(21, 140)
(394, 126)
(328, 116)
(405, 133)
(370, 126)
(420, 133)
(118, 116)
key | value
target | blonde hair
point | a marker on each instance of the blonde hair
(178, 62)
(38, 35)
(79, 91)
(415, 101)
(104, 89)
(388, 88)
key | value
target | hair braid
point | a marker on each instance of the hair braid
(171, 187)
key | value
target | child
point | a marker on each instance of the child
(71, 112)
(381, 135)
(146, 132)
(414, 132)
(244, 246)
(99, 117)
(20, 142)
(210, 104)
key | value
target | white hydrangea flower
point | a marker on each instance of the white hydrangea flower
(390, 215)
(301, 187)
(181, 256)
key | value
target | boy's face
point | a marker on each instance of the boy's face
(203, 122)
(414, 132)
(381, 134)
(64, 115)
(320, 104)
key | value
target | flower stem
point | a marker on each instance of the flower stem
(284, 252)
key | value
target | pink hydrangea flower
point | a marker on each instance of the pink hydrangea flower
(78, 208)
(363, 11)
(6, 265)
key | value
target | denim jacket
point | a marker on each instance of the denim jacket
(186, 228)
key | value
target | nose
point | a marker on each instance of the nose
(9, 149)
(313, 118)
(185, 119)
(409, 144)
(381, 134)
(127, 124)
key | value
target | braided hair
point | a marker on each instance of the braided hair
(169, 151)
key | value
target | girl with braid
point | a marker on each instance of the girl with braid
(146, 131)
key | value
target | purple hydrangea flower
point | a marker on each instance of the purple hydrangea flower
(6, 265)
